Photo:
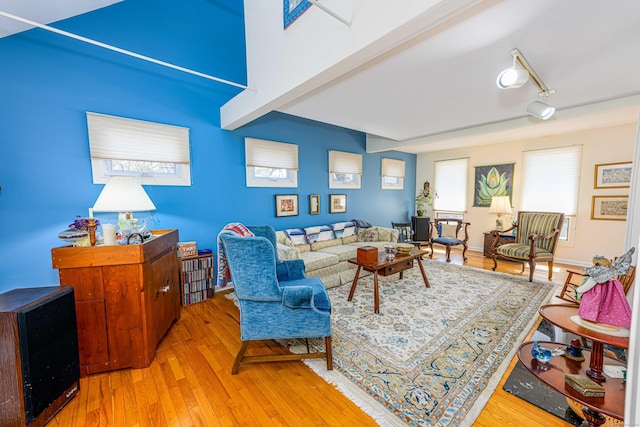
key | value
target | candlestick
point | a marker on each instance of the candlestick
(90, 213)
(92, 231)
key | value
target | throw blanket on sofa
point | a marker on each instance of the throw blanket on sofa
(237, 229)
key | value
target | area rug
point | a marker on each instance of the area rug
(431, 357)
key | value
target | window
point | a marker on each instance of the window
(270, 163)
(392, 174)
(157, 153)
(550, 180)
(345, 169)
(451, 185)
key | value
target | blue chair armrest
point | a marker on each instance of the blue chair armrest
(297, 296)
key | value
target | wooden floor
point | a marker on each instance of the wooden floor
(189, 383)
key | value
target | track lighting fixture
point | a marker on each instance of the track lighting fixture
(515, 77)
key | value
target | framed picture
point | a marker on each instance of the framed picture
(491, 181)
(293, 9)
(612, 175)
(314, 204)
(337, 203)
(286, 205)
(612, 208)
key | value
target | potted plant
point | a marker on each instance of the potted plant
(424, 198)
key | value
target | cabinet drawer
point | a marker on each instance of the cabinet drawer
(396, 268)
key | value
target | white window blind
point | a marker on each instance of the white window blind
(451, 185)
(271, 154)
(393, 167)
(550, 179)
(343, 162)
(117, 138)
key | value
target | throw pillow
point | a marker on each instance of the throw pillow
(312, 233)
(449, 231)
(368, 235)
(297, 236)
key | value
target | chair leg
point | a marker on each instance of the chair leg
(448, 253)
(550, 270)
(495, 262)
(532, 268)
(464, 253)
(329, 353)
(239, 356)
(431, 247)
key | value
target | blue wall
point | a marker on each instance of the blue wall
(49, 82)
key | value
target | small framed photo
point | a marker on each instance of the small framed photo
(337, 203)
(314, 204)
(612, 175)
(286, 205)
(613, 208)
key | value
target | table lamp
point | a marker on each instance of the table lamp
(123, 194)
(500, 205)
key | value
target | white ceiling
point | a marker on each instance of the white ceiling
(438, 90)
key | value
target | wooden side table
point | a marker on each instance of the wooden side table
(553, 372)
(488, 240)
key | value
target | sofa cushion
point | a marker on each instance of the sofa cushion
(344, 252)
(325, 244)
(368, 234)
(314, 260)
(286, 253)
(350, 239)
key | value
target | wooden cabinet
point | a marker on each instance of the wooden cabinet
(127, 297)
(488, 241)
(420, 226)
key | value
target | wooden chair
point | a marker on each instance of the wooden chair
(446, 232)
(575, 278)
(536, 241)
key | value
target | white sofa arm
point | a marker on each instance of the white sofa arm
(287, 253)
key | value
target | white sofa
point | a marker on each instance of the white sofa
(326, 257)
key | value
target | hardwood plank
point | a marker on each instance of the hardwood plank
(189, 382)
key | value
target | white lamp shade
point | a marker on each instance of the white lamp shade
(541, 110)
(500, 205)
(123, 194)
(512, 78)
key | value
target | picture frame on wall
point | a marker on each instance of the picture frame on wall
(292, 9)
(286, 205)
(314, 204)
(491, 181)
(612, 175)
(337, 203)
(612, 208)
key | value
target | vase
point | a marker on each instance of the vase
(420, 213)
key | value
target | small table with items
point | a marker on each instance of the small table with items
(553, 373)
(385, 266)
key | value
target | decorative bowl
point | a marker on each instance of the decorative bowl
(405, 247)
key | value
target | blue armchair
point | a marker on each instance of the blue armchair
(285, 270)
(272, 308)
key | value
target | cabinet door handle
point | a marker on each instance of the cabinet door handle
(164, 290)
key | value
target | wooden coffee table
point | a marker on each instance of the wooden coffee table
(385, 267)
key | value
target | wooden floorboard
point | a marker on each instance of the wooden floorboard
(189, 383)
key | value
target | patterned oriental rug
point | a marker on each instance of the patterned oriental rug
(431, 357)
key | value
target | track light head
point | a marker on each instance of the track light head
(512, 78)
(541, 110)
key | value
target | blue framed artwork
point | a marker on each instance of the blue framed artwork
(491, 181)
(293, 9)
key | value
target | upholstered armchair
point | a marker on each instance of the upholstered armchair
(272, 309)
(449, 232)
(285, 270)
(536, 241)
